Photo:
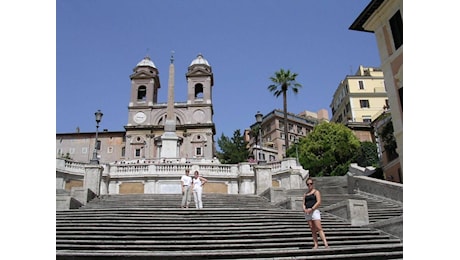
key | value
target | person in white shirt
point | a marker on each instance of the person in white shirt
(186, 182)
(198, 183)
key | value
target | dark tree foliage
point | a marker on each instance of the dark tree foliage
(233, 150)
(369, 155)
(389, 141)
(328, 150)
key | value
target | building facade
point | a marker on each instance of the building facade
(384, 18)
(359, 97)
(143, 140)
(266, 138)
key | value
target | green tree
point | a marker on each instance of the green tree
(328, 150)
(233, 150)
(369, 155)
(283, 81)
(389, 141)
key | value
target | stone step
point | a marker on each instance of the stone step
(206, 244)
(150, 226)
(377, 251)
(210, 200)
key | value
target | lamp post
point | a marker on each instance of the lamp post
(296, 140)
(98, 115)
(259, 123)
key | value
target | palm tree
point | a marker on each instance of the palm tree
(282, 82)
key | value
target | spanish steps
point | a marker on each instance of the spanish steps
(153, 226)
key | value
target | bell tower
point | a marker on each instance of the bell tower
(200, 81)
(145, 83)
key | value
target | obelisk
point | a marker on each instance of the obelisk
(169, 138)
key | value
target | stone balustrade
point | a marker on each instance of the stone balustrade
(164, 176)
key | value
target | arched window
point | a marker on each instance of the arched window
(199, 90)
(160, 121)
(141, 93)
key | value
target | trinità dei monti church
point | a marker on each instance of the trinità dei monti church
(160, 141)
(169, 131)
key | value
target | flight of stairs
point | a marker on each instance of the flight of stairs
(153, 226)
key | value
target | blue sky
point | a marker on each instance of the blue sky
(98, 43)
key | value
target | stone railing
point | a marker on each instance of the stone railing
(164, 177)
(177, 168)
(359, 182)
(70, 166)
(169, 168)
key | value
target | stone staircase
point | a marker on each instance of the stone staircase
(153, 226)
(334, 190)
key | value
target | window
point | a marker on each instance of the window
(261, 156)
(71, 150)
(123, 150)
(138, 152)
(400, 92)
(367, 119)
(110, 149)
(361, 84)
(199, 91)
(141, 93)
(198, 151)
(397, 29)
(84, 150)
(299, 130)
(364, 103)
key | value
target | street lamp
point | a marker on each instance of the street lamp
(296, 140)
(259, 123)
(98, 115)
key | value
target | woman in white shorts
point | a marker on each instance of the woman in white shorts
(198, 183)
(311, 203)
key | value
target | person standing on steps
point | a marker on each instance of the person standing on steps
(186, 182)
(198, 183)
(311, 203)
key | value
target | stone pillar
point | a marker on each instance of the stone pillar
(60, 183)
(113, 187)
(104, 185)
(92, 181)
(263, 178)
(358, 214)
(149, 187)
(353, 210)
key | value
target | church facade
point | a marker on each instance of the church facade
(161, 132)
